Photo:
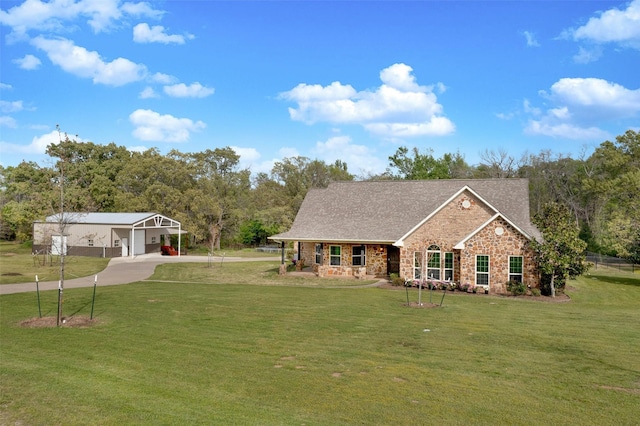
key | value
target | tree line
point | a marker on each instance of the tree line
(222, 204)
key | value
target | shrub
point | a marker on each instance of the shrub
(396, 281)
(535, 292)
(516, 288)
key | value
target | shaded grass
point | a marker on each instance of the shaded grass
(241, 354)
(17, 265)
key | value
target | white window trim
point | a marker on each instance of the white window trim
(362, 256)
(417, 266)
(444, 264)
(332, 256)
(439, 268)
(521, 272)
(318, 253)
(488, 273)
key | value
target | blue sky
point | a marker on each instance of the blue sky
(349, 80)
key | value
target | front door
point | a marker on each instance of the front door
(393, 260)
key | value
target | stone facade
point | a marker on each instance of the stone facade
(500, 241)
(375, 260)
(446, 228)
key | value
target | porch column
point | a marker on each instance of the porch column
(283, 266)
(282, 252)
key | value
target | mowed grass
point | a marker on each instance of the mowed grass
(168, 353)
(18, 265)
(252, 272)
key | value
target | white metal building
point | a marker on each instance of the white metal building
(105, 234)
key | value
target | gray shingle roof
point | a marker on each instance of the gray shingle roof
(384, 211)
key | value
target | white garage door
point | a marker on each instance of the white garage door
(139, 241)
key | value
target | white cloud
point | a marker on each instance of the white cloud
(526, 104)
(141, 9)
(13, 106)
(247, 155)
(287, 152)
(137, 148)
(436, 126)
(249, 159)
(531, 39)
(38, 144)
(564, 130)
(399, 107)
(359, 158)
(587, 55)
(88, 64)
(5, 86)
(195, 90)
(7, 121)
(152, 126)
(142, 33)
(613, 26)
(579, 105)
(597, 93)
(29, 62)
(55, 14)
(148, 93)
(162, 78)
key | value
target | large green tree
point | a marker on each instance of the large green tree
(90, 173)
(414, 165)
(616, 180)
(219, 194)
(561, 253)
(26, 195)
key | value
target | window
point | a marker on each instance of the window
(417, 265)
(116, 243)
(515, 268)
(433, 262)
(318, 252)
(334, 255)
(153, 240)
(482, 270)
(358, 256)
(90, 242)
(448, 266)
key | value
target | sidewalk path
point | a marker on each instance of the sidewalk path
(124, 270)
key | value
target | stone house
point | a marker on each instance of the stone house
(475, 231)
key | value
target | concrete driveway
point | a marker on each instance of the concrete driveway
(124, 270)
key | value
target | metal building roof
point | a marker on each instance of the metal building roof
(103, 218)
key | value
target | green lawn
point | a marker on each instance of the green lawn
(18, 265)
(167, 353)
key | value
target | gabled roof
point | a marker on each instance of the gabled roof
(127, 219)
(461, 244)
(385, 211)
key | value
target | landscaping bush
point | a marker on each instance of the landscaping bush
(395, 279)
(516, 288)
